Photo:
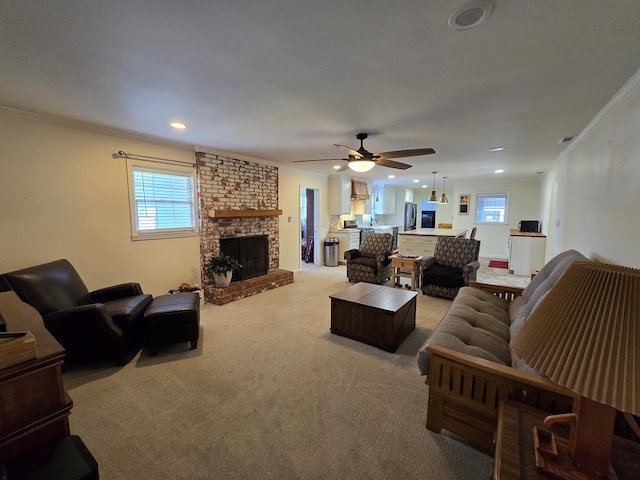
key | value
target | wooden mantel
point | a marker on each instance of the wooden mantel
(243, 213)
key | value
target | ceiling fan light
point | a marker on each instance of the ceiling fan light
(361, 166)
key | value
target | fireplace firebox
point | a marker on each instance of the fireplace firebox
(252, 253)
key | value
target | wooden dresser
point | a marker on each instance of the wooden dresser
(34, 407)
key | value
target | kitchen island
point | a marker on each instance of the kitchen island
(422, 241)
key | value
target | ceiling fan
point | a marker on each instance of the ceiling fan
(362, 160)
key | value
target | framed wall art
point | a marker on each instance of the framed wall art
(463, 204)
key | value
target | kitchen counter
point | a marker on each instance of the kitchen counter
(517, 233)
(435, 232)
(422, 241)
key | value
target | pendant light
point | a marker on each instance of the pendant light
(443, 198)
(433, 198)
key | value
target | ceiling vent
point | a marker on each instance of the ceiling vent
(470, 15)
(564, 140)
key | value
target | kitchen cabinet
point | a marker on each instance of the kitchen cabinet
(387, 201)
(347, 240)
(423, 240)
(417, 245)
(408, 195)
(339, 201)
(526, 252)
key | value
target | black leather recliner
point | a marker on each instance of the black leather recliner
(106, 323)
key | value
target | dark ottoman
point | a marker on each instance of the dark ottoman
(172, 319)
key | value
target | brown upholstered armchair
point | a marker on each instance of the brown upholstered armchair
(370, 263)
(453, 265)
(106, 323)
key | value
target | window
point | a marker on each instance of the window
(162, 200)
(492, 208)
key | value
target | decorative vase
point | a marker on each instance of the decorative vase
(222, 280)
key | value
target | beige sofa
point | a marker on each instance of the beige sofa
(469, 365)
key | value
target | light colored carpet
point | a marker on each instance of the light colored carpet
(270, 393)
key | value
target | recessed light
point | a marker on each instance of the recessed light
(178, 125)
(416, 181)
(470, 15)
(391, 176)
(499, 171)
(496, 149)
(425, 186)
(336, 167)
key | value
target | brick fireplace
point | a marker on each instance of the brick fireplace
(238, 199)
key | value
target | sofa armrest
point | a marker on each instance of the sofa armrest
(351, 254)
(428, 262)
(471, 267)
(73, 321)
(383, 259)
(465, 391)
(115, 292)
(505, 372)
(502, 291)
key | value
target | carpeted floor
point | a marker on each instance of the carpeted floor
(270, 393)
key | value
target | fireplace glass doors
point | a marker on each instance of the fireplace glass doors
(252, 253)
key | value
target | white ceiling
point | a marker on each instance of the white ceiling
(284, 80)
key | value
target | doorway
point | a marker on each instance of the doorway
(308, 226)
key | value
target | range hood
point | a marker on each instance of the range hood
(359, 190)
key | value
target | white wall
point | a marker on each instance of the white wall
(524, 198)
(62, 195)
(593, 188)
(291, 180)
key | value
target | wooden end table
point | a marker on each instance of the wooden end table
(374, 314)
(407, 267)
(515, 458)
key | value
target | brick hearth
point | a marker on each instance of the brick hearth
(246, 288)
(231, 184)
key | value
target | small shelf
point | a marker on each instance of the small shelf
(243, 213)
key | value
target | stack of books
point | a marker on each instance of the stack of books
(16, 347)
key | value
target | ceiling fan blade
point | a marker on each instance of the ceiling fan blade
(416, 152)
(348, 150)
(323, 160)
(385, 162)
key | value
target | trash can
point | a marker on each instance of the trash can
(331, 251)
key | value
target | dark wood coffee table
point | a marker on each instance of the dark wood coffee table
(374, 314)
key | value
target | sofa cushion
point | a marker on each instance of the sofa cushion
(477, 324)
(367, 262)
(444, 276)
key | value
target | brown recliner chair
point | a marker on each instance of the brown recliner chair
(370, 263)
(453, 265)
(106, 323)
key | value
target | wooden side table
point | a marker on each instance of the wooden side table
(515, 458)
(407, 267)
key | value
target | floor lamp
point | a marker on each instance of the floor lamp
(585, 335)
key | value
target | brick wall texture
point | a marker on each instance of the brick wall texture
(227, 183)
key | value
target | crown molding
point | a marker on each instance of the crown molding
(94, 128)
(629, 89)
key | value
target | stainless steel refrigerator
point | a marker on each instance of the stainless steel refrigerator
(410, 214)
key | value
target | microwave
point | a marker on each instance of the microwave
(529, 226)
